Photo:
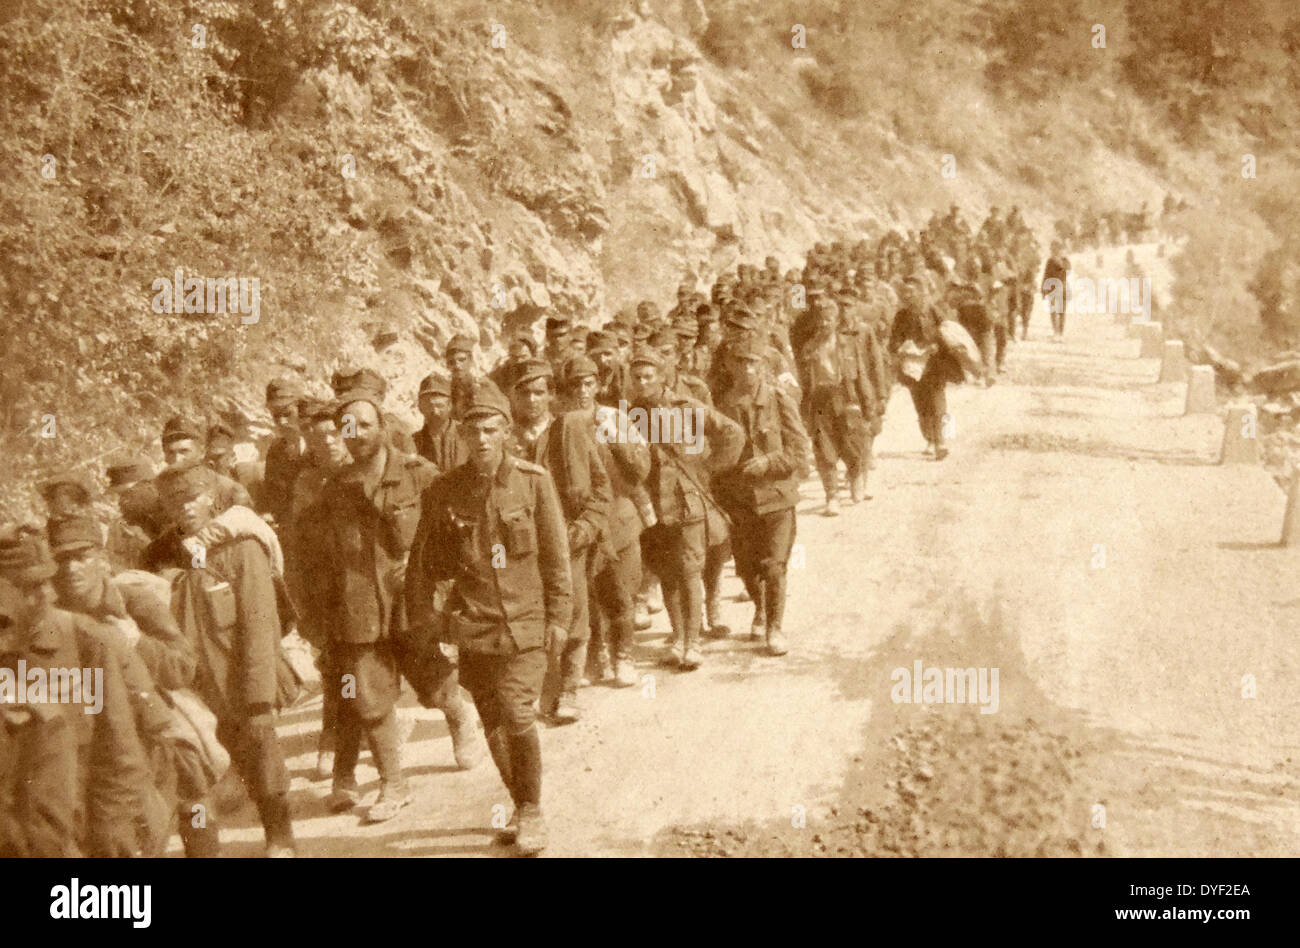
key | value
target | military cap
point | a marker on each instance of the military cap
(485, 399)
(123, 470)
(282, 392)
(742, 319)
(316, 409)
(24, 558)
(526, 339)
(360, 394)
(221, 434)
(460, 343)
(647, 355)
(528, 370)
(662, 337)
(78, 480)
(72, 534)
(600, 341)
(557, 326)
(179, 486)
(576, 367)
(352, 377)
(435, 383)
(180, 428)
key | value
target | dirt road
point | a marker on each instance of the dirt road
(1080, 539)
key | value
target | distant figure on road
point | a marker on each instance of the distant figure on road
(1058, 268)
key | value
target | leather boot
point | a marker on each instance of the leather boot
(278, 824)
(526, 760)
(200, 842)
(774, 600)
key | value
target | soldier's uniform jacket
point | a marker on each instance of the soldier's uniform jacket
(444, 450)
(774, 432)
(854, 386)
(228, 611)
(284, 459)
(567, 449)
(145, 600)
(306, 551)
(367, 540)
(501, 538)
(627, 462)
(93, 774)
(678, 479)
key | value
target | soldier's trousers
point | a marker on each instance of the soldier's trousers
(255, 754)
(838, 433)
(676, 555)
(367, 684)
(762, 544)
(505, 689)
(614, 587)
(565, 674)
(930, 396)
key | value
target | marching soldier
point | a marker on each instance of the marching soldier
(837, 399)
(225, 602)
(495, 528)
(438, 441)
(762, 491)
(565, 446)
(699, 439)
(351, 378)
(616, 570)
(286, 454)
(373, 506)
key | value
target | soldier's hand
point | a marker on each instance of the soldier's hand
(578, 538)
(755, 467)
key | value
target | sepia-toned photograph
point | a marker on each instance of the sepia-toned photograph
(667, 428)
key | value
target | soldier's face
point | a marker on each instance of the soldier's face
(828, 315)
(578, 347)
(366, 431)
(518, 351)
(745, 371)
(285, 421)
(485, 437)
(604, 359)
(325, 443)
(584, 392)
(81, 577)
(182, 452)
(220, 458)
(458, 362)
(435, 407)
(193, 515)
(646, 383)
(530, 401)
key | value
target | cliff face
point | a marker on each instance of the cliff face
(392, 172)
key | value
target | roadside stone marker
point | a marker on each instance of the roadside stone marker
(1153, 340)
(1200, 390)
(1240, 438)
(1291, 519)
(1173, 362)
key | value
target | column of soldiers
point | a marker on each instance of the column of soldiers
(497, 560)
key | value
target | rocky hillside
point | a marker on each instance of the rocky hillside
(392, 172)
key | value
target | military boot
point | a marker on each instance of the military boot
(774, 594)
(758, 628)
(526, 761)
(498, 742)
(466, 736)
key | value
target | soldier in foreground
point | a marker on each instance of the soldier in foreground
(494, 526)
